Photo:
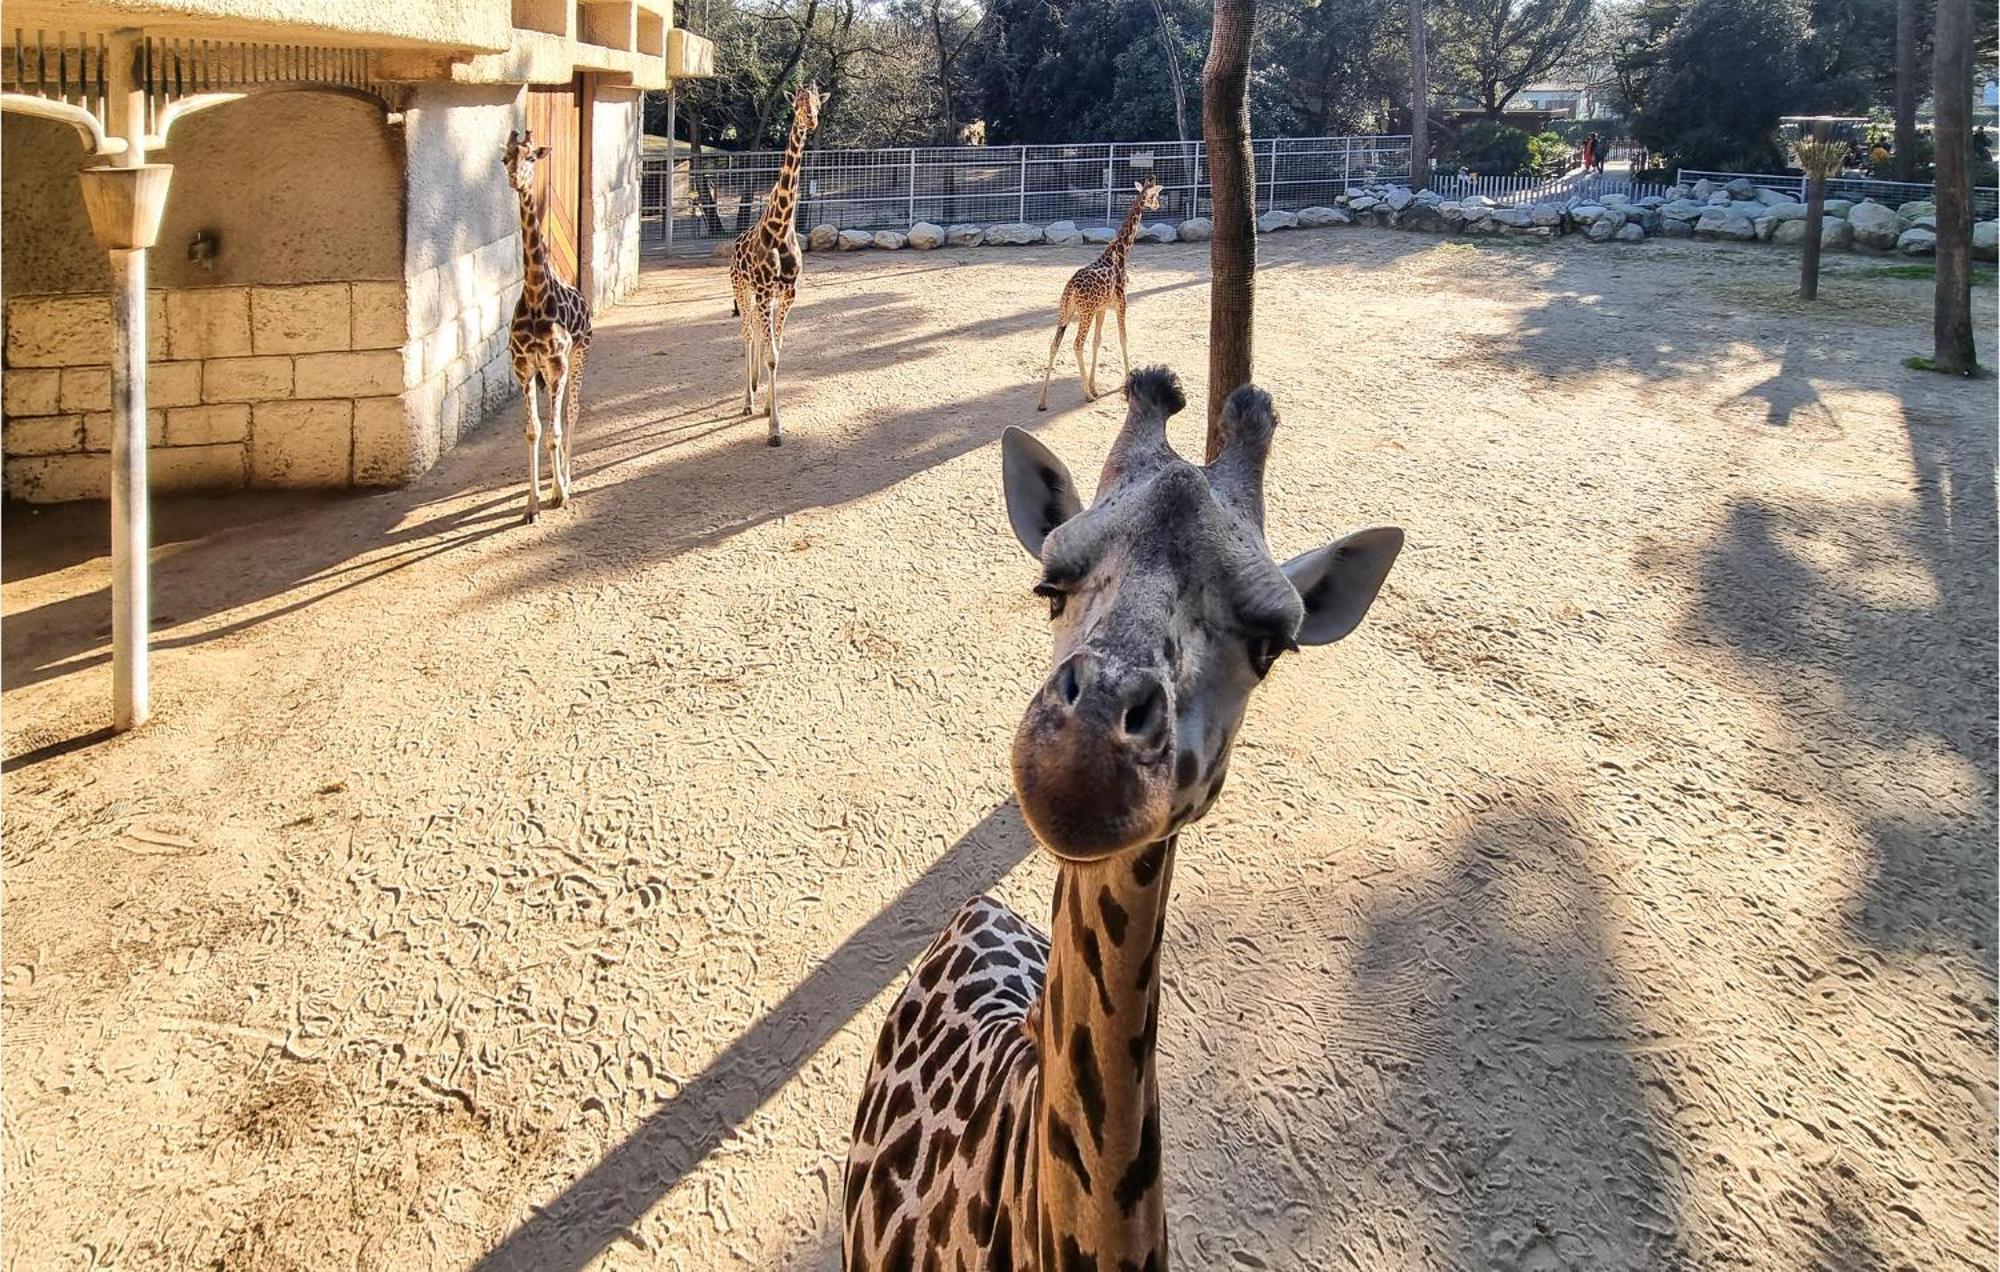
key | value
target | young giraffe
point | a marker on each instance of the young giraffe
(1097, 287)
(1011, 1116)
(764, 272)
(550, 336)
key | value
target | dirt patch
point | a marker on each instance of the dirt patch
(1621, 895)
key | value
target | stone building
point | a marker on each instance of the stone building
(338, 255)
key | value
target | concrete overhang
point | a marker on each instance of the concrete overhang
(458, 25)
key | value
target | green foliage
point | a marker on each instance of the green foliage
(1492, 150)
(1726, 72)
(1549, 152)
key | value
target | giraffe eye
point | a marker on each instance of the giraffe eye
(1264, 651)
(1056, 596)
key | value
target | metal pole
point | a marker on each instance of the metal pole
(1110, 163)
(671, 143)
(913, 185)
(131, 605)
(1024, 185)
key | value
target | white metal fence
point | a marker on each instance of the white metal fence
(718, 194)
(1519, 191)
(1985, 199)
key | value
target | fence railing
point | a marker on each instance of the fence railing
(718, 194)
(1985, 199)
(1516, 191)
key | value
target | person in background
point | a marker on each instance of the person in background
(1878, 156)
(1982, 145)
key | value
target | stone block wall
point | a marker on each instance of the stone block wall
(248, 386)
(456, 360)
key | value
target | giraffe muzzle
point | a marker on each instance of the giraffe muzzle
(1093, 758)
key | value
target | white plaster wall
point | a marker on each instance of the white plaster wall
(617, 120)
(295, 188)
(462, 262)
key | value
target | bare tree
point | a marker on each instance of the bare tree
(1232, 252)
(1173, 56)
(1420, 106)
(1951, 90)
(1906, 91)
(1490, 50)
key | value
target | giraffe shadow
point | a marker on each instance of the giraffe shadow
(578, 1225)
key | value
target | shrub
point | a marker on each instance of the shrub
(1490, 149)
(1548, 153)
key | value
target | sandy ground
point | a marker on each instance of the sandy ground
(1622, 895)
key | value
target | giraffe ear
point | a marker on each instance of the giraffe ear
(1339, 581)
(539, 153)
(1040, 492)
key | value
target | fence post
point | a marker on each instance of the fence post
(913, 185)
(1110, 166)
(670, 168)
(1271, 198)
(1346, 164)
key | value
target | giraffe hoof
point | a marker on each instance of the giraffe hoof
(528, 519)
(777, 441)
(1041, 406)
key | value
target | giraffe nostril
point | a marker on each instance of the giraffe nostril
(1144, 714)
(1066, 684)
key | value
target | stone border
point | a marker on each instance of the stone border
(1738, 211)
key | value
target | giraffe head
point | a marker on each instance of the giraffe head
(1167, 610)
(520, 159)
(1148, 191)
(806, 103)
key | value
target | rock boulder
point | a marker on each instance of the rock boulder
(924, 236)
(855, 240)
(1197, 229)
(824, 238)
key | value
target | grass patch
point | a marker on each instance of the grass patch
(1980, 273)
(1921, 363)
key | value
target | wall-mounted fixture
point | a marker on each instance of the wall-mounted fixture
(202, 249)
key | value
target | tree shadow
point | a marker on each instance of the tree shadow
(1516, 1123)
(1873, 627)
(578, 1225)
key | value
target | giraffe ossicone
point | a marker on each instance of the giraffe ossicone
(549, 337)
(1011, 1115)
(765, 265)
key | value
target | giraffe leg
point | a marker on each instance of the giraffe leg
(1096, 336)
(1082, 367)
(1124, 349)
(575, 412)
(558, 407)
(771, 327)
(749, 351)
(1049, 370)
(534, 449)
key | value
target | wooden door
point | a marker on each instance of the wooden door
(555, 118)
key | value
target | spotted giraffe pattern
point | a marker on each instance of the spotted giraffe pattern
(1096, 289)
(764, 268)
(549, 338)
(1013, 1075)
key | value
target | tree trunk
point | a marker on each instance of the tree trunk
(1420, 106)
(1907, 90)
(1232, 179)
(1173, 70)
(1951, 137)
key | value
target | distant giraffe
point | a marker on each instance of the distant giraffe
(764, 272)
(1011, 1115)
(1097, 287)
(550, 336)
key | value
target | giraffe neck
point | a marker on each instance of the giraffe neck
(534, 252)
(785, 191)
(1128, 230)
(1101, 1201)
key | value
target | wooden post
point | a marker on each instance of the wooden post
(1814, 156)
